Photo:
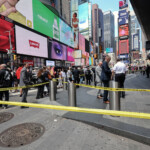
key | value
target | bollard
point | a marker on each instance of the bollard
(114, 96)
(52, 91)
(64, 83)
(72, 94)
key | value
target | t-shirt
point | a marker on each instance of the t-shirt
(119, 68)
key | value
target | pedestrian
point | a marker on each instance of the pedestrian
(69, 75)
(15, 81)
(60, 85)
(119, 70)
(25, 81)
(76, 74)
(106, 76)
(98, 80)
(18, 76)
(5, 82)
(148, 68)
(88, 76)
(40, 80)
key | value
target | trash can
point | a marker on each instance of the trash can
(114, 96)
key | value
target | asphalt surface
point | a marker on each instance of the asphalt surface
(68, 134)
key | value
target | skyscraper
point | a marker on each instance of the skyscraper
(109, 34)
(98, 29)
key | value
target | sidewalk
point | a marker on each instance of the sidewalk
(137, 129)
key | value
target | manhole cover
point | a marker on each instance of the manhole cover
(20, 135)
(5, 116)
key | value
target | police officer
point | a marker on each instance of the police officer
(120, 72)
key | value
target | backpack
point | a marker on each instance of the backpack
(88, 73)
(6, 81)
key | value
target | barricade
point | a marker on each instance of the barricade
(52, 92)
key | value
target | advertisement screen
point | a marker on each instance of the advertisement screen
(81, 42)
(123, 46)
(136, 55)
(66, 34)
(124, 30)
(78, 62)
(109, 50)
(6, 28)
(84, 19)
(136, 42)
(77, 54)
(70, 53)
(87, 46)
(123, 17)
(45, 21)
(123, 4)
(22, 11)
(58, 51)
(75, 22)
(50, 63)
(30, 43)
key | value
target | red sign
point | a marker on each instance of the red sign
(124, 30)
(34, 44)
(6, 28)
(30, 62)
(123, 46)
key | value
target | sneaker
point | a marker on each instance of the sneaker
(23, 107)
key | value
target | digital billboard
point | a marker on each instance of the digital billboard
(77, 54)
(109, 50)
(81, 42)
(124, 30)
(19, 11)
(84, 19)
(6, 28)
(66, 34)
(50, 63)
(123, 46)
(136, 43)
(30, 43)
(123, 4)
(123, 17)
(75, 22)
(58, 51)
(87, 46)
(78, 62)
(70, 53)
(45, 21)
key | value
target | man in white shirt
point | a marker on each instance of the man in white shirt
(120, 70)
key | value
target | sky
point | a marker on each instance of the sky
(112, 5)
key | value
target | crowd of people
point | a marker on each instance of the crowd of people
(99, 75)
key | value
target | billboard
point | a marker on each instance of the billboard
(81, 42)
(78, 62)
(87, 46)
(123, 4)
(70, 53)
(123, 46)
(84, 19)
(123, 17)
(21, 11)
(5, 28)
(66, 34)
(77, 54)
(75, 22)
(45, 21)
(124, 31)
(50, 63)
(109, 50)
(136, 55)
(58, 51)
(30, 43)
(136, 43)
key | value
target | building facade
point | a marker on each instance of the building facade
(97, 29)
(109, 34)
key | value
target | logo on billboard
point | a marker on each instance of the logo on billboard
(34, 44)
(123, 4)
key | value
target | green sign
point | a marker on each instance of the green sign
(45, 21)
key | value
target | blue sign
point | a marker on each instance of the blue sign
(109, 50)
(125, 56)
(123, 17)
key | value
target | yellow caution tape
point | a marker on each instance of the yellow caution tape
(82, 110)
(22, 87)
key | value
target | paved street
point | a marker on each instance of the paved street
(72, 131)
